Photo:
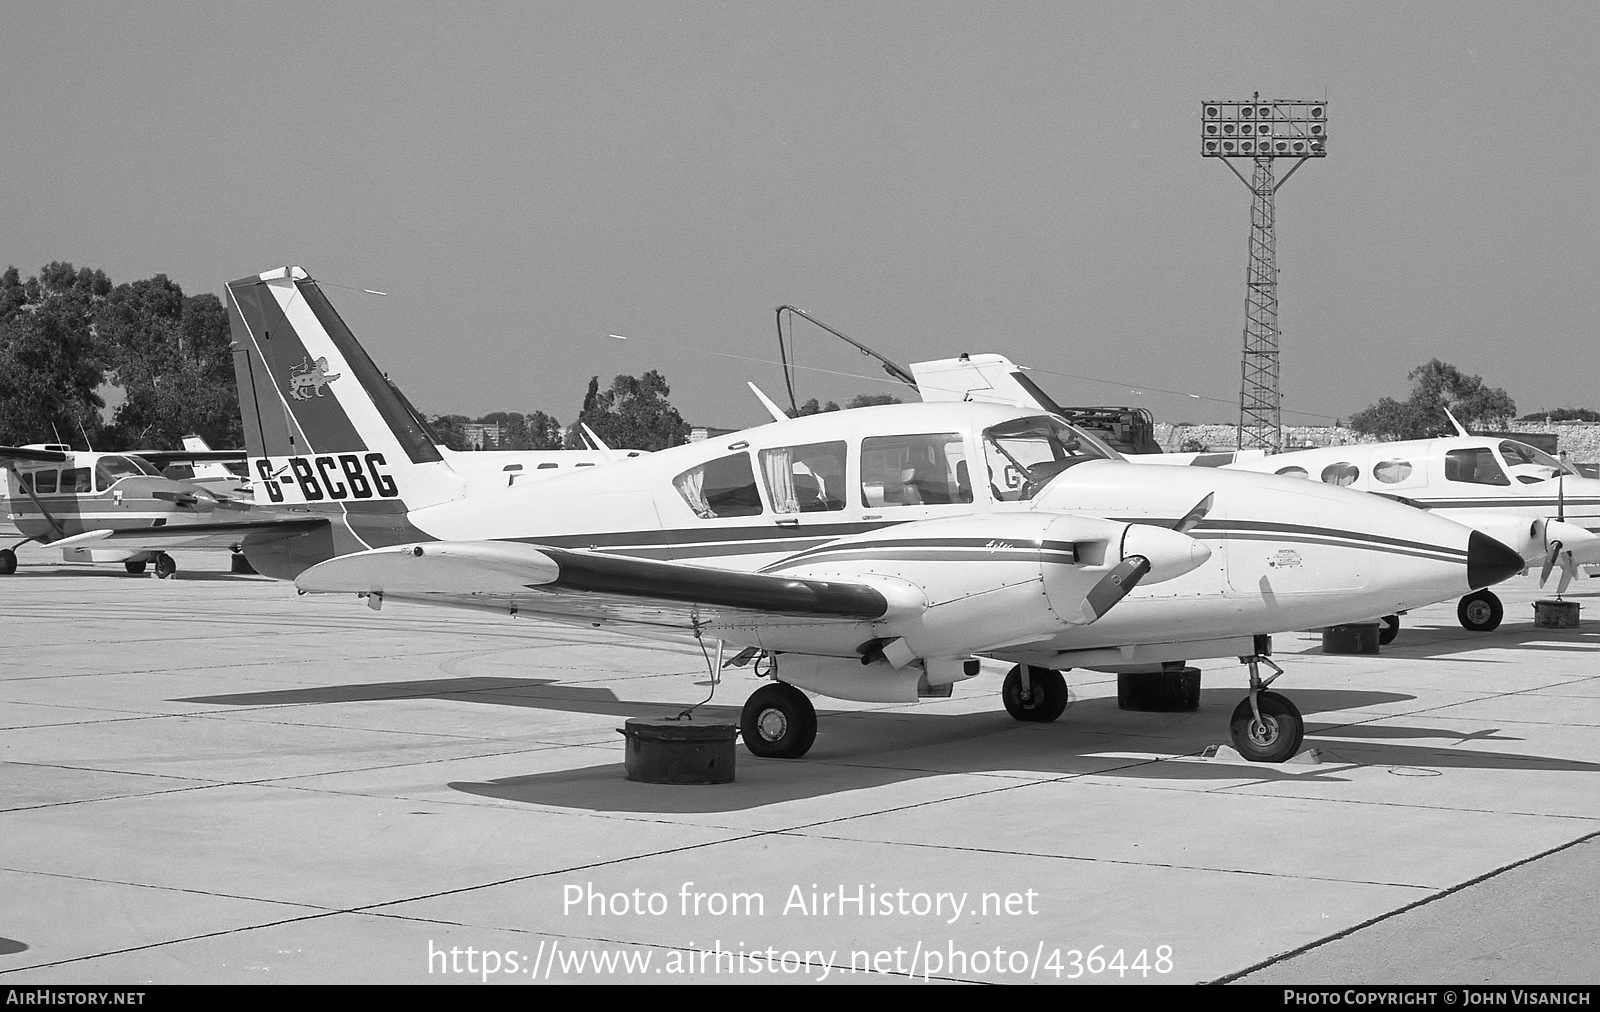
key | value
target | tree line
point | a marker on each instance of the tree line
(69, 333)
(69, 337)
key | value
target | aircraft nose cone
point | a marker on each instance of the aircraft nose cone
(1489, 561)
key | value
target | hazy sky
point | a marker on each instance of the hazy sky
(526, 179)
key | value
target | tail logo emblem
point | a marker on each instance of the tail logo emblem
(307, 380)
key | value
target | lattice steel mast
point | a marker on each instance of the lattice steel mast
(1263, 131)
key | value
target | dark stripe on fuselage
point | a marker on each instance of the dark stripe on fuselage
(1261, 530)
(943, 549)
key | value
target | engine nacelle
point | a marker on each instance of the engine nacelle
(996, 581)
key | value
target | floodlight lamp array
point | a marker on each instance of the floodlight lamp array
(1264, 129)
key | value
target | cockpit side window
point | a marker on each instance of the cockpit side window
(805, 479)
(44, 482)
(1022, 455)
(914, 470)
(1529, 463)
(109, 469)
(1476, 466)
(725, 487)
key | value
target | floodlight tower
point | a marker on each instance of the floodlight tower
(1262, 130)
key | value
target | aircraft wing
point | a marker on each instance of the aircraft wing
(560, 583)
(162, 458)
(12, 454)
(175, 536)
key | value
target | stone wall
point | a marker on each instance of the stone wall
(1581, 440)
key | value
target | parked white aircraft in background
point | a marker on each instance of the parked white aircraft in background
(1520, 495)
(871, 554)
(69, 498)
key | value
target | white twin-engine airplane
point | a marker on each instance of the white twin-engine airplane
(870, 554)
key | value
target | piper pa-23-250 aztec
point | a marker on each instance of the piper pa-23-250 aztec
(869, 554)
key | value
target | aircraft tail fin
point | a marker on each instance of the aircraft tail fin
(322, 423)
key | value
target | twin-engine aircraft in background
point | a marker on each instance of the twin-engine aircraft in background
(870, 554)
(1515, 492)
(66, 498)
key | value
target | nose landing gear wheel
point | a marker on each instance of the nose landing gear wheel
(165, 567)
(1045, 699)
(1276, 737)
(134, 566)
(778, 722)
(1480, 612)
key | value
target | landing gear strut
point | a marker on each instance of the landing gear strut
(1480, 612)
(1034, 694)
(778, 722)
(1266, 727)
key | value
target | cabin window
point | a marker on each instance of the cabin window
(1475, 467)
(725, 487)
(1293, 472)
(805, 479)
(546, 466)
(1392, 472)
(43, 481)
(76, 479)
(1342, 473)
(918, 470)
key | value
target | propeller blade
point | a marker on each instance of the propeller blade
(1549, 562)
(1192, 519)
(1569, 569)
(1114, 586)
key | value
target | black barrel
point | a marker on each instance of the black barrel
(662, 750)
(1356, 638)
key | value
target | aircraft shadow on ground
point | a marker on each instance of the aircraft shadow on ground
(856, 750)
(118, 573)
(1445, 643)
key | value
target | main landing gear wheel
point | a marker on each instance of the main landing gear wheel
(8, 562)
(1480, 612)
(1045, 700)
(1388, 629)
(778, 722)
(134, 566)
(1276, 737)
(165, 567)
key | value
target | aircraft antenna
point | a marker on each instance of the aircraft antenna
(788, 368)
(1262, 130)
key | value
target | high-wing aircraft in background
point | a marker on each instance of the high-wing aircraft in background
(57, 495)
(870, 554)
